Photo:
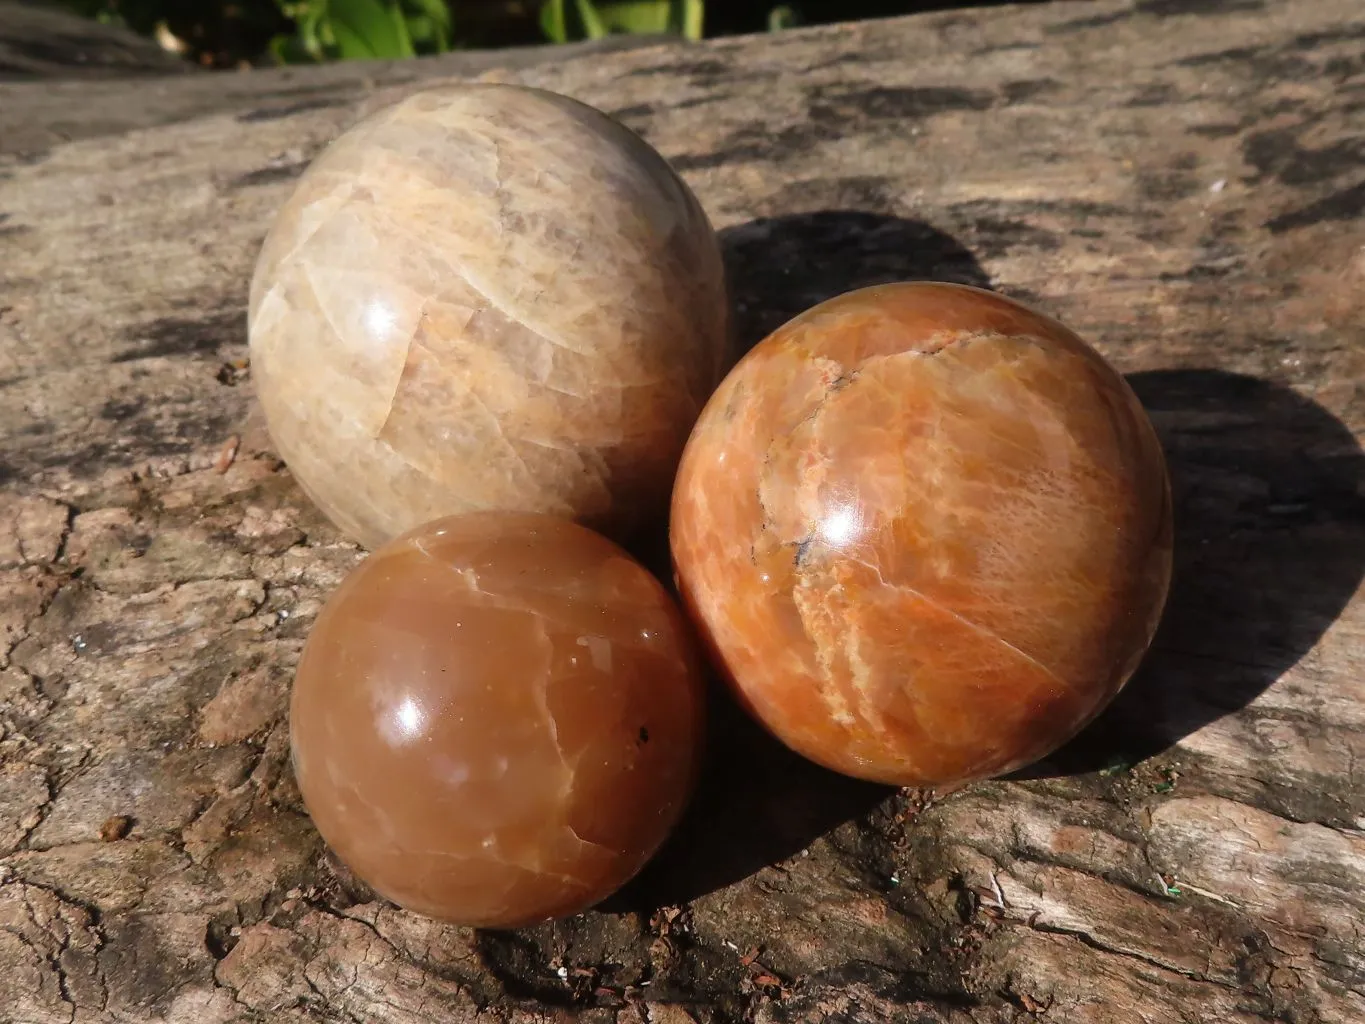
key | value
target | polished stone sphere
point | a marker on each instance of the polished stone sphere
(926, 531)
(487, 297)
(497, 719)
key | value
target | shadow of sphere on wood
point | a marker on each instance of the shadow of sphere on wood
(781, 266)
(757, 802)
(1269, 498)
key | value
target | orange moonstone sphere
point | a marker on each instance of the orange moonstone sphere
(497, 719)
(926, 531)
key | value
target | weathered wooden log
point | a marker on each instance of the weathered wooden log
(1182, 182)
(42, 41)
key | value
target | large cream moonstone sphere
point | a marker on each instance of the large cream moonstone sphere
(487, 298)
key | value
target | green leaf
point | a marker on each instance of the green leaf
(370, 29)
(310, 31)
(593, 27)
(563, 21)
(1118, 765)
(552, 21)
(693, 18)
(783, 16)
(436, 10)
(400, 28)
(286, 50)
(431, 24)
(681, 17)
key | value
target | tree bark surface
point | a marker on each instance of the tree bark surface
(1183, 182)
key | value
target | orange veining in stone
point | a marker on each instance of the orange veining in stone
(926, 531)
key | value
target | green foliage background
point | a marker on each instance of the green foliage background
(227, 33)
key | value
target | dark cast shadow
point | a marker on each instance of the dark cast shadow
(781, 266)
(757, 803)
(777, 267)
(1269, 501)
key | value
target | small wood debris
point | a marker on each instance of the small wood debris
(115, 828)
(1032, 1005)
(233, 373)
(666, 920)
(227, 454)
(1169, 778)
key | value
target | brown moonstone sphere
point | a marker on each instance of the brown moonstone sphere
(487, 297)
(497, 719)
(926, 531)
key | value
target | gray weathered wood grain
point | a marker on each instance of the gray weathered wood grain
(1182, 182)
(40, 40)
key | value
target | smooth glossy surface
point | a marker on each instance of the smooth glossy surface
(497, 719)
(487, 297)
(926, 531)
